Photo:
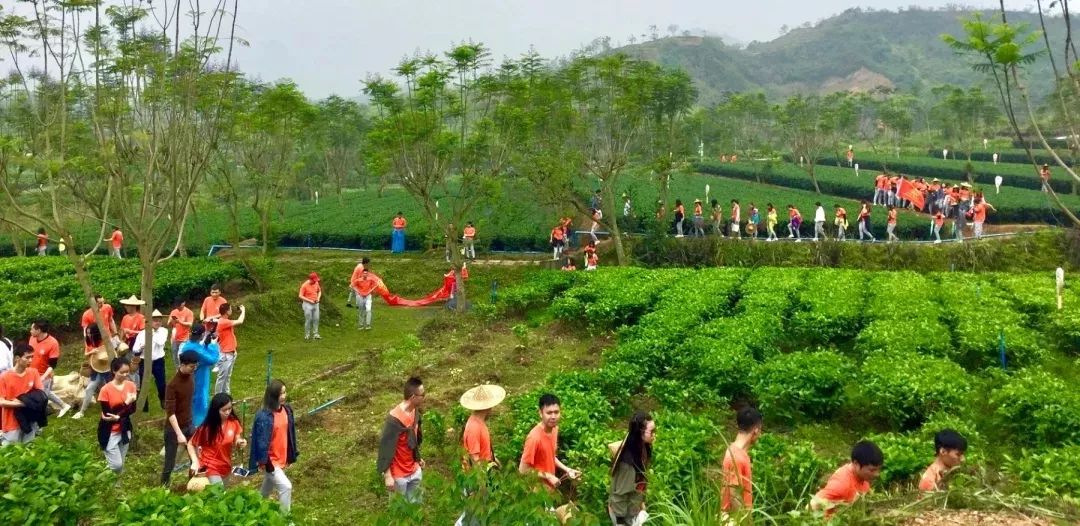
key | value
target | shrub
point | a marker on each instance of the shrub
(802, 385)
(214, 505)
(538, 289)
(49, 482)
(830, 307)
(787, 473)
(722, 370)
(1052, 473)
(905, 388)
(1037, 409)
(906, 456)
(682, 454)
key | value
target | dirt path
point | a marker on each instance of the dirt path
(974, 518)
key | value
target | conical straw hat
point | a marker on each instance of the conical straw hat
(483, 397)
(133, 300)
(100, 360)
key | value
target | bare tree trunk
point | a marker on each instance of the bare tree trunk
(456, 260)
(813, 177)
(88, 290)
(264, 228)
(146, 288)
(611, 219)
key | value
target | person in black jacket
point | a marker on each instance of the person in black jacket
(273, 443)
(14, 383)
(117, 400)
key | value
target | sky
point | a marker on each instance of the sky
(330, 46)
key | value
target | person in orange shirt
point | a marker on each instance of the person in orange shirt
(890, 224)
(626, 499)
(939, 221)
(592, 261)
(538, 455)
(357, 270)
(736, 220)
(117, 399)
(1044, 175)
(864, 222)
(979, 215)
(397, 236)
(180, 320)
(364, 286)
(273, 443)
(949, 447)
(699, 219)
(108, 318)
(399, 461)
(852, 480)
(850, 155)
(116, 242)
(211, 305)
(133, 321)
(569, 265)
(310, 296)
(737, 471)
(476, 439)
(42, 242)
(212, 444)
(227, 342)
(468, 238)
(15, 382)
(46, 356)
(879, 189)
(558, 241)
(840, 222)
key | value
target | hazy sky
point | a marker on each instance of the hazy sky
(329, 46)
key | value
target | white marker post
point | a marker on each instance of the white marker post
(316, 198)
(856, 169)
(995, 158)
(945, 153)
(1060, 274)
(997, 184)
(706, 193)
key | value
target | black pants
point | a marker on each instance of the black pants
(170, 450)
(157, 368)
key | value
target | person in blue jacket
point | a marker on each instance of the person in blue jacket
(205, 346)
(273, 443)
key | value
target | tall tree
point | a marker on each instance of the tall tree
(805, 126)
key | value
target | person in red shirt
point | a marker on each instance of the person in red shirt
(15, 382)
(950, 448)
(626, 499)
(364, 286)
(476, 439)
(399, 461)
(737, 471)
(133, 322)
(468, 238)
(569, 265)
(180, 320)
(840, 222)
(273, 443)
(592, 261)
(211, 305)
(227, 342)
(979, 215)
(864, 222)
(117, 399)
(42, 242)
(558, 241)
(397, 236)
(46, 356)
(939, 221)
(852, 480)
(357, 270)
(116, 242)
(538, 455)
(1044, 175)
(212, 444)
(890, 225)
(310, 296)
(108, 318)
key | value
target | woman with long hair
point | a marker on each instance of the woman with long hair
(626, 501)
(680, 214)
(117, 400)
(273, 443)
(212, 445)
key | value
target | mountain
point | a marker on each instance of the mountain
(855, 50)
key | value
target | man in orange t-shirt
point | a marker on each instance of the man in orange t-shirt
(15, 382)
(557, 240)
(180, 319)
(357, 270)
(468, 238)
(950, 448)
(116, 242)
(979, 215)
(538, 455)
(310, 296)
(852, 480)
(399, 460)
(227, 343)
(890, 225)
(46, 356)
(736, 466)
(42, 242)
(211, 305)
(364, 286)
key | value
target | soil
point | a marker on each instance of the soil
(973, 518)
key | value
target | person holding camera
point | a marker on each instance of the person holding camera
(227, 342)
(204, 344)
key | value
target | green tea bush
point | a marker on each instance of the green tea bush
(683, 453)
(539, 289)
(1014, 175)
(906, 457)
(1049, 474)
(1037, 408)
(830, 308)
(758, 333)
(49, 482)
(214, 505)
(787, 473)
(724, 370)
(802, 385)
(903, 389)
(980, 314)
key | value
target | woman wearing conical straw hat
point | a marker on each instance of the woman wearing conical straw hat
(476, 438)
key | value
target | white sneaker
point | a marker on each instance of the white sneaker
(215, 370)
(317, 337)
(77, 415)
(63, 411)
(937, 242)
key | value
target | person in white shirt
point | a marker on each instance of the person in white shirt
(7, 360)
(159, 339)
(819, 221)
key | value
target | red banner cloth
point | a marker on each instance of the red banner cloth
(907, 191)
(394, 300)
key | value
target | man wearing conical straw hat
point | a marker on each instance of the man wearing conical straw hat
(476, 438)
